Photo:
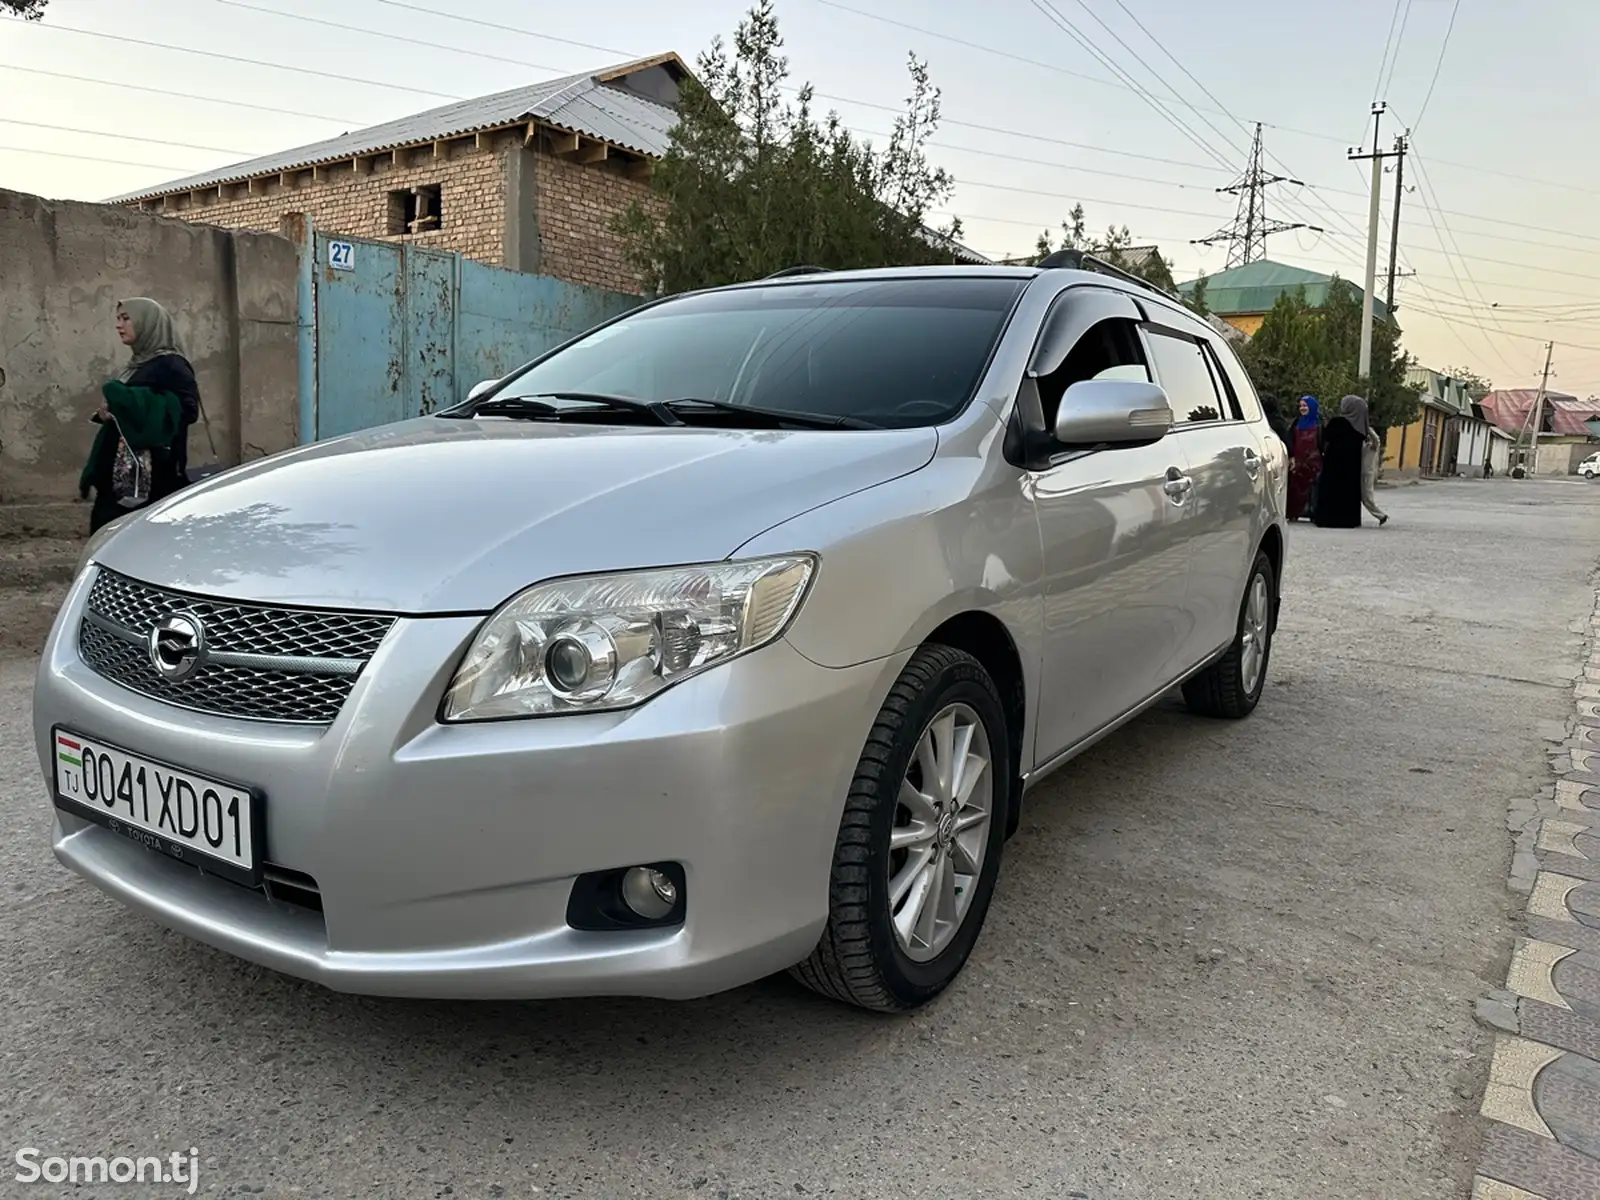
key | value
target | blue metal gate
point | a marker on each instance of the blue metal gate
(398, 331)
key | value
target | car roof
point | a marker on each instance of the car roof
(801, 277)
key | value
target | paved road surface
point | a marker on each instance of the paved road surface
(1225, 960)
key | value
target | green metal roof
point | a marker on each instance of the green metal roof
(1255, 288)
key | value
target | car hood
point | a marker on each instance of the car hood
(439, 515)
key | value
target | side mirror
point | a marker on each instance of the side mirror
(1113, 412)
(479, 389)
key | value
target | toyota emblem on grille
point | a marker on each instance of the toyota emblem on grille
(177, 644)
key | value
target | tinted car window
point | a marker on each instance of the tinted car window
(1233, 374)
(894, 352)
(1181, 369)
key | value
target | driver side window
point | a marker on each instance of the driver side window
(1108, 350)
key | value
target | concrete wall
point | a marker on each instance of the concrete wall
(1563, 457)
(64, 266)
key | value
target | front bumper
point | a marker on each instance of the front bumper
(445, 855)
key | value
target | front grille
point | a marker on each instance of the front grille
(261, 662)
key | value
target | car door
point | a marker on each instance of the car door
(1115, 565)
(1225, 467)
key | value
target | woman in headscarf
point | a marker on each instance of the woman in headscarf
(142, 450)
(1371, 455)
(1339, 486)
(1305, 462)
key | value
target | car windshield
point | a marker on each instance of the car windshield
(892, 353)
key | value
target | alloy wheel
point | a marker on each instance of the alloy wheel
(1254, 633)
(941, 832)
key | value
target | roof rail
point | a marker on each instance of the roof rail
(1082, 260)
(799, 271)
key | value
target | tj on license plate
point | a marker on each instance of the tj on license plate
(198, 820)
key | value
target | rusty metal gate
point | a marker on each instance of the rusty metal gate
(398, 331)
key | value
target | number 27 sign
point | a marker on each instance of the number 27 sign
(342, 256)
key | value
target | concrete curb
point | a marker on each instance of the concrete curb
(1542, 1100)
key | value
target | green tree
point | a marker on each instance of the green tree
(1197, 296)
(1113, 246)
(1301, 350)
(752, 184)
(1478, 386)
(28, 10)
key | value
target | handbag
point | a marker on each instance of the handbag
(130, 475)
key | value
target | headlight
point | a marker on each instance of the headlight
(603, 642)
(98, 539)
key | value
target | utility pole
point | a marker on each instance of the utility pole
(1538, 411)
(1247, 235)
(1364, 367)
(1394, 225)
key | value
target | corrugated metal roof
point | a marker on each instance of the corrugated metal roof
(1509, 408)
(580, 103)
(1255, 288)
(1446, 391)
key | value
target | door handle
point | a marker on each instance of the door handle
(1177, 485)
(1252, 463)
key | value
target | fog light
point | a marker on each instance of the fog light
(646, 896)
(649, 893)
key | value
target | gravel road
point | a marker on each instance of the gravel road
(1224, 960)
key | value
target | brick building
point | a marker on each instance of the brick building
(528, 179)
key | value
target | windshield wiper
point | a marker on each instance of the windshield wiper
(776, 417)
(536, 407)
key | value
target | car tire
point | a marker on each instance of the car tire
(1230, 688)
(877, 953)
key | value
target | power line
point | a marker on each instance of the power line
(1521, 177)
(548, 37)
(379, 83)
(1210, 95)
(1388, 44)
(986, 128)
(1004, 187)
(1438, 66)
(251, 62)
(994, 50)
(1062, 22)
(393, 37)
(139, 87)
(119, 136)
(115, 162)
(1032, 137)
(1055, 17)
(1293, 206)
(1521, 287)
(1557, 310)
(1438, 233)
(1526, 337)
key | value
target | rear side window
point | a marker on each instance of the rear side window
(1182, 369)
(1237, 381)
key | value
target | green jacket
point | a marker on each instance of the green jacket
(145, 419)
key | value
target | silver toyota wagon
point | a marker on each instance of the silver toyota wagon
(728, 638)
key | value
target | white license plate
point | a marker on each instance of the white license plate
(203, 821)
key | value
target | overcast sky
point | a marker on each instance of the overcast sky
(1517, 95)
